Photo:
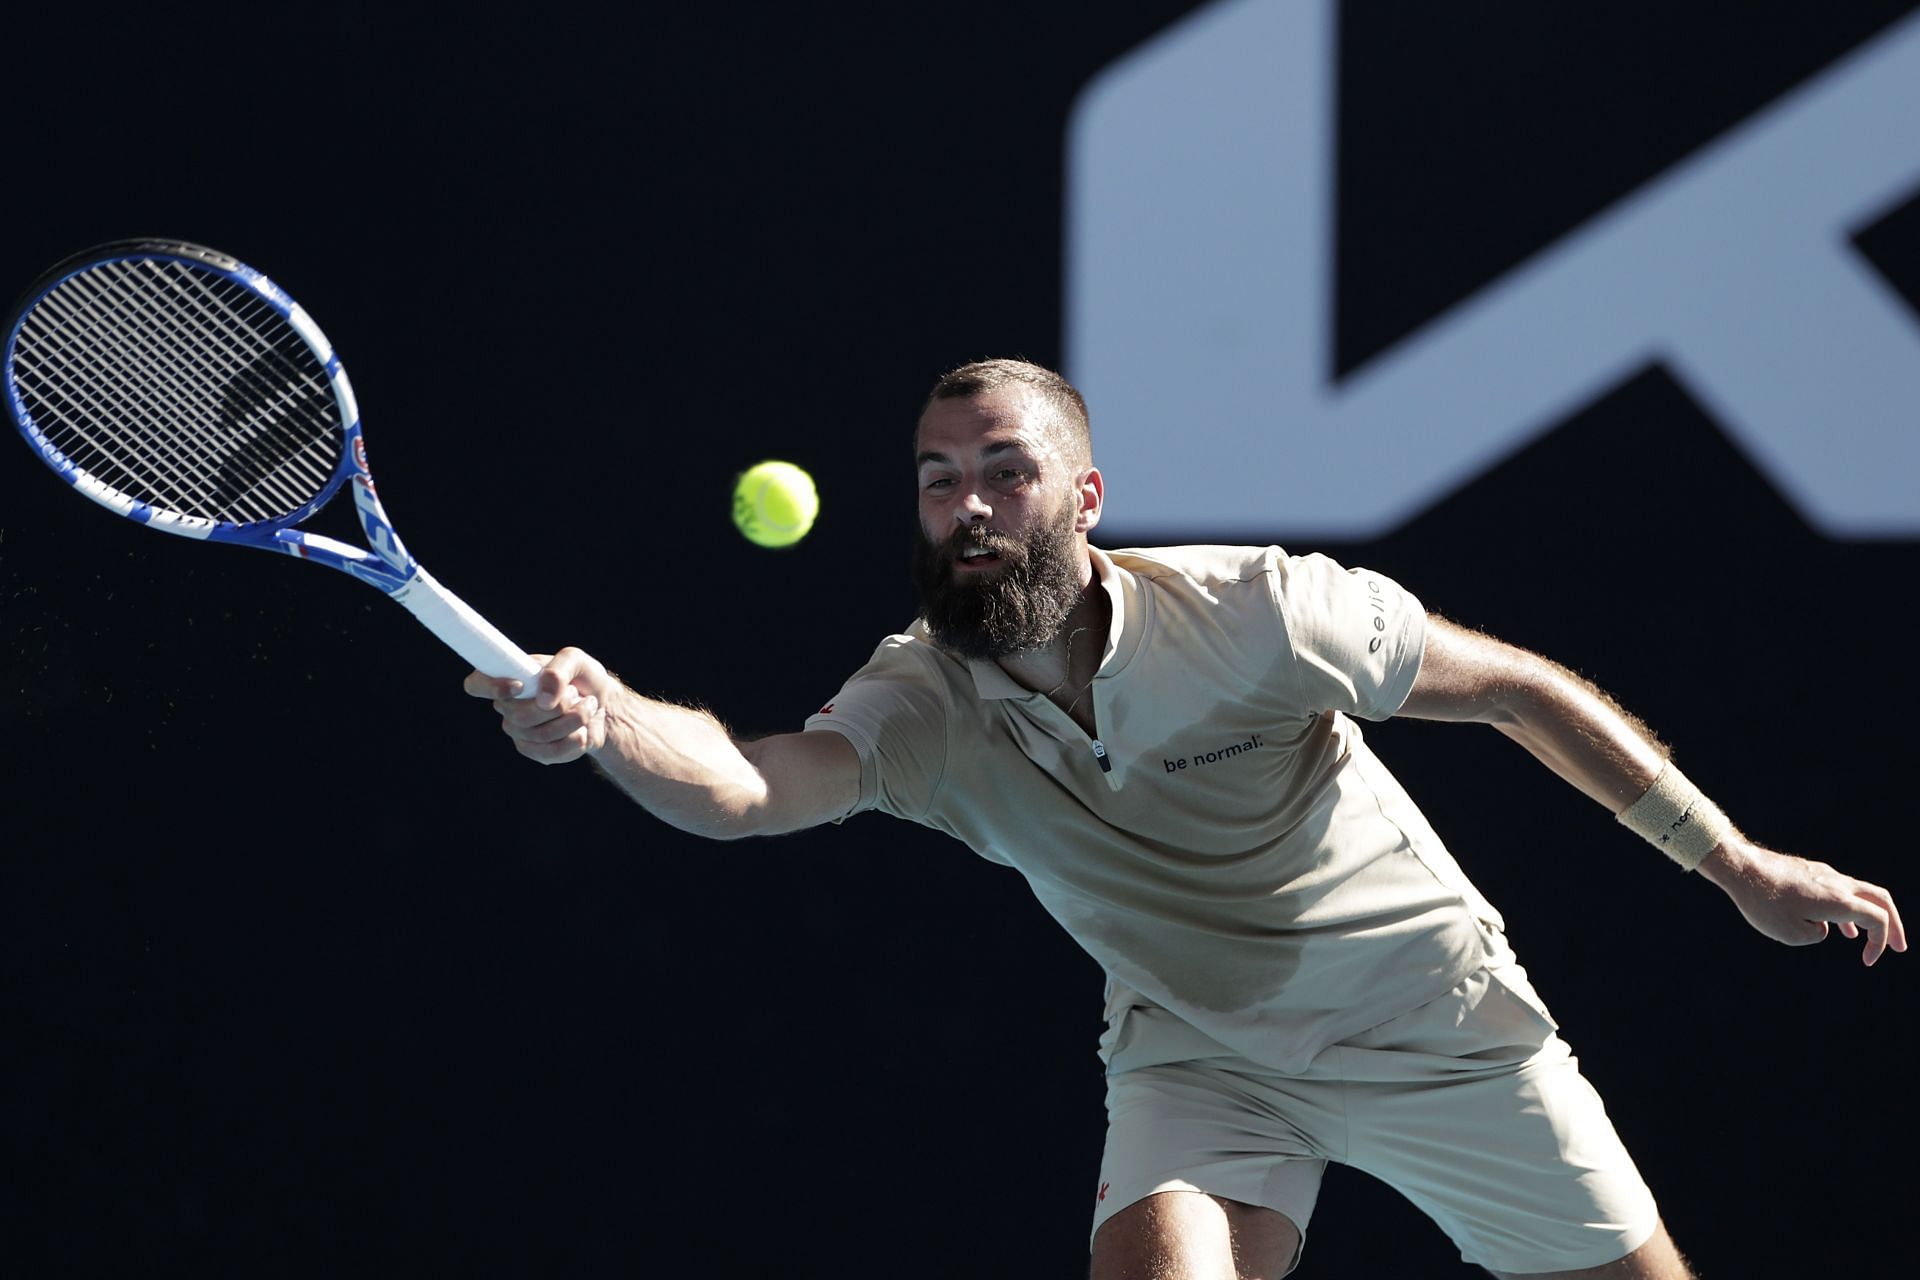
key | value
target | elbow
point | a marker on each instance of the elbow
(1525, 698)
(704, 809)
(1542, 702)
(1530, 688)
(742, 826)
(728, 818)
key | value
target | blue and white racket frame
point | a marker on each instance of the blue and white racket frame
(384, 563)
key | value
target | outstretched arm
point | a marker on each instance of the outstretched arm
(679, 763)
(1585, 737)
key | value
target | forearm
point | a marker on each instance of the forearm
(1579, 733)
(681, 765)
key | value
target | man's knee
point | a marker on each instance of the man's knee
(1183, 1235)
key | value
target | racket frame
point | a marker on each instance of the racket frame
(384, 563)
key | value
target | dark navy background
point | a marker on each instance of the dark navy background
(305, 971)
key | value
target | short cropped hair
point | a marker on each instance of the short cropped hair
(1071, 428)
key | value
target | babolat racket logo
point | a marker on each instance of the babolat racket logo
(360, 454)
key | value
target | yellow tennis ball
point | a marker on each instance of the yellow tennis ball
(775, 503)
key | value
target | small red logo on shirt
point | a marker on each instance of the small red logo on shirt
(1103, 1191)
(825, 711)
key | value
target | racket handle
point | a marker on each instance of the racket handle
(464, 631)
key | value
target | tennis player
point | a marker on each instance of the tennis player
(1166, 743)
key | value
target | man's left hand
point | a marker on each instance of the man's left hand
(1795, 901)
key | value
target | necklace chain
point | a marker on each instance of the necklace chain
(1084, 688)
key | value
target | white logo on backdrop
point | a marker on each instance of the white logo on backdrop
(1199, 298)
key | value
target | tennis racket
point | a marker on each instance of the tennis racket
(182, 389)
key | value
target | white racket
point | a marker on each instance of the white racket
(180, 388)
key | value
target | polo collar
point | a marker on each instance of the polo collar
(1123, 633)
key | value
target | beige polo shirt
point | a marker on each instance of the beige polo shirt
(1227, 848)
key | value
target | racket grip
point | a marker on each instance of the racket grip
(464, 631)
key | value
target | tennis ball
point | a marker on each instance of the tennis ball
(774, 504)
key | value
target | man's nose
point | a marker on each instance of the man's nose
(972, 510)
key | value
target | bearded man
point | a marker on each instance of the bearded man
(1165, 743)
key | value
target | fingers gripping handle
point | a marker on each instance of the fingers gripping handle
(465, 631)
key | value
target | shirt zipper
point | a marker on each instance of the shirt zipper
(1100, 754)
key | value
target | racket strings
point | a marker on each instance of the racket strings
(194, 362)
(70, 388)
(201, 366)
(103, 379)
(181, 388)
(253, 395)
(158, 390)
(179, 342)
(98, 382)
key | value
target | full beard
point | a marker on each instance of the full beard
(1022, 605)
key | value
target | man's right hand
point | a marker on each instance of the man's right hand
(566, 718)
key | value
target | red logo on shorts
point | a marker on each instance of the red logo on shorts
(1103, 1191)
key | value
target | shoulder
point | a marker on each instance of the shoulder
(898, 711)
(1272, 572)
(909, 661)
(906, 671)
(912, 655)
(1228, 584)
(1200, 567)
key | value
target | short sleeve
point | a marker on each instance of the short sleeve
(894, 712)
(1357, 636)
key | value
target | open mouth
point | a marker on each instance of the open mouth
(975, 557)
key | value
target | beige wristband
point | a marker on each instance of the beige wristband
(1677, 819)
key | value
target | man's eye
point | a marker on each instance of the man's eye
(936, 484)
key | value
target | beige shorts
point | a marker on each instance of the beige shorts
(1470, 1106)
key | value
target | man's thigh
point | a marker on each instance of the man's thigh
(1471, 1107)
(1200, 1130)
(1185, 1235)
(1477, 1112)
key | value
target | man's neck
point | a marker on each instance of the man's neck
(1063, 669)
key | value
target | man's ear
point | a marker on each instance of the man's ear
(1093, 493)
